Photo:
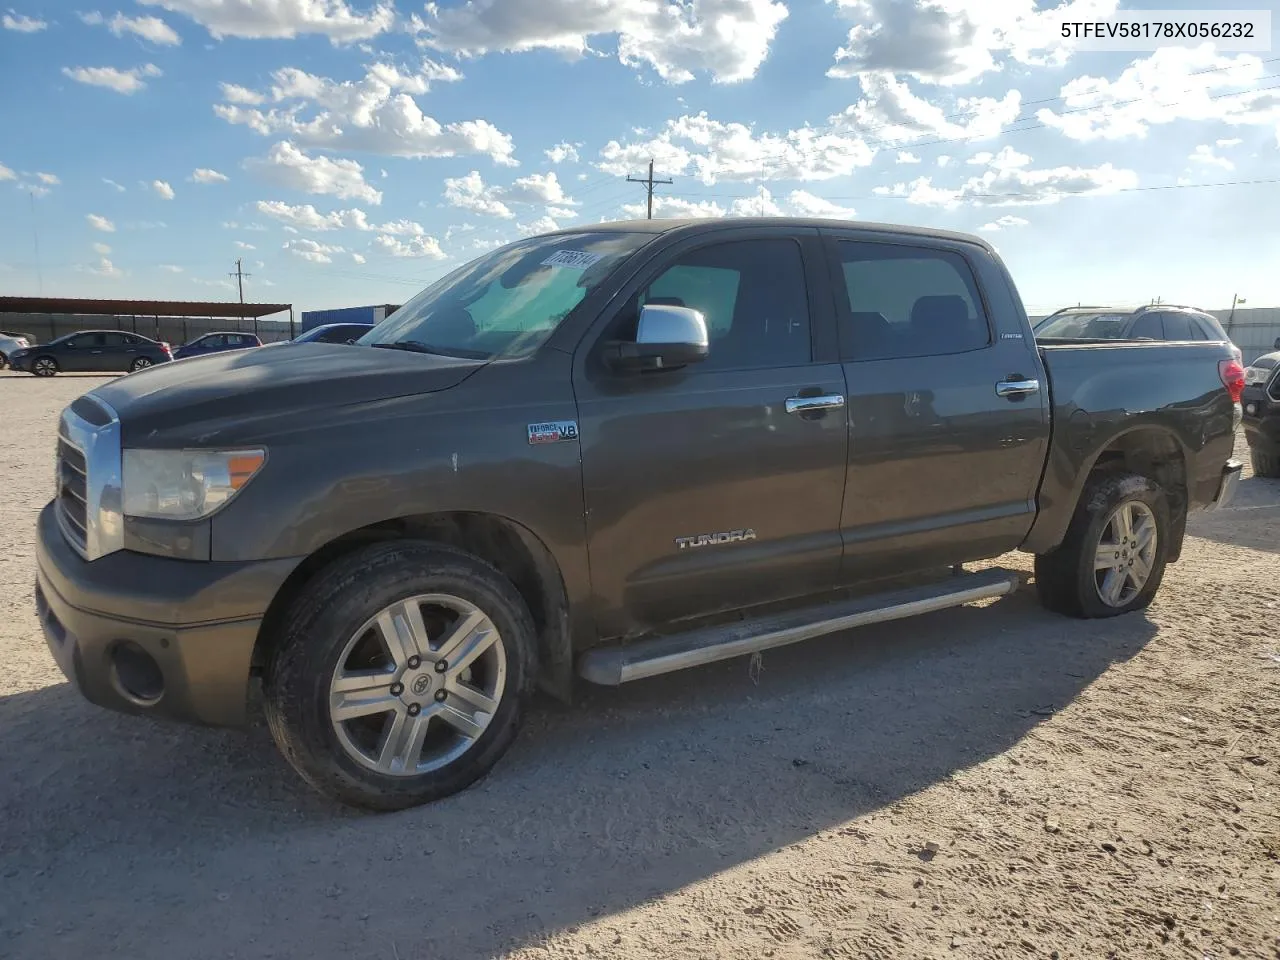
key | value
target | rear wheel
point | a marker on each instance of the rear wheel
(1113, 557)
(401, 676)
(140, 364)
(1265, 465)
(44, 366)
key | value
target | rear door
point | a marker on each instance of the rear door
(83, 353)
(705, 488)
(948, 420)
(116, 353)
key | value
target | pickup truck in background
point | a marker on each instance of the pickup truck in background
(605, 454)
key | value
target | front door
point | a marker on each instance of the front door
(704, 491)
(944, 462)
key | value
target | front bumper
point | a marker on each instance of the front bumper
(1227, 486)
(196, 621)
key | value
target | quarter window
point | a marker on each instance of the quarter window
(909, 302)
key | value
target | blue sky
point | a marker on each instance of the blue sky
(350, 152)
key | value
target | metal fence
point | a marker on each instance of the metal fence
(43, 327)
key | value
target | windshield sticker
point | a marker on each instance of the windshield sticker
(573, 259)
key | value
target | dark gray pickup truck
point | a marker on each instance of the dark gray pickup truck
(605, 453)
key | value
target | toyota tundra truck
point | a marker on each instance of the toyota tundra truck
(602, 455)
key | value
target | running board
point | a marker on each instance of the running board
(649, 658)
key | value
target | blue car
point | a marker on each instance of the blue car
(216, 343)
(334, 333)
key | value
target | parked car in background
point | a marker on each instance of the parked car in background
(334, 333)
(10, 343)
(1261, 415)
(1159, 321)
(92, 351)
(216, 343)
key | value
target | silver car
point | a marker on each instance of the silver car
(10, 342)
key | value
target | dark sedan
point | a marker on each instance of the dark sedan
(216, 343)
(92, 351)
(334, 333)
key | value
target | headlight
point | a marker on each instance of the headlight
(1256, 374)
(185, 484)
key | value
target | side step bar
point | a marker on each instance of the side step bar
(649, 658)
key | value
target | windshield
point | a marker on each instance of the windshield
(1084, 326)
(506, 303)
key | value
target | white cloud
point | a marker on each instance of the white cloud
(100, 223)
(563, 153)
(101, 249)
(674, 208)
(1232, 142)
(712, 150)
(287, 166)
(943, 160)
(311, 250)
(223, 283)
(162, 189)
(1010, 181)
(6, 173)
(906, 156)
(205, 175)
(283, 19)
(170, 268)
(22, 24)
(561, 213)
(121, 81)
(956, 41)
(471, 193)
(105, 268)
(890, 113)
(111, 183)
(1003, 223)
(149, 28)
(427, 247)
(1174, 83)
(234, 93)
(358, 257)
(805, 204)
(377, 114)
(307, 217)
(540, 225)
(1204, 154)
(727, 39)
(241, 245)
(48, 178)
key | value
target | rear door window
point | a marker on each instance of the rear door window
(1177, 326)
(1147, 327)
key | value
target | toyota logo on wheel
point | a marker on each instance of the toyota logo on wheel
(420, 684)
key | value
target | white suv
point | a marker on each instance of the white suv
(8, 343)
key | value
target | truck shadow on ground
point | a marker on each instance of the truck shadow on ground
(1257, 498)
(124, 837)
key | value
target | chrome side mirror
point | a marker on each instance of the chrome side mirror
(667, 338)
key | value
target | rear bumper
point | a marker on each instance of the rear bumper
(102, 616)
(1227, 485)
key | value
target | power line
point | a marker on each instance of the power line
(649, 183)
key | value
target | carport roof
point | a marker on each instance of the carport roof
(139, 308)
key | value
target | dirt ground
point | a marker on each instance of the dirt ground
(993, 782)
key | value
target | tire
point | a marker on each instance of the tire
(142, 363)
(1066, 579)
(44, 366)
(330, 615)
(1265, 464)
(4, 361)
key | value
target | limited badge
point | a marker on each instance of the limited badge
(553, 431)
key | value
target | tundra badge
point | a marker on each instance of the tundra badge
(709, 539)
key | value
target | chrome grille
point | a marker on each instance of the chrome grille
(87, 477)
(73, 493)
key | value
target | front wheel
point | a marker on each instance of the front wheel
(1114, 554)
(401, 675)
(140, 364)
(44, 367)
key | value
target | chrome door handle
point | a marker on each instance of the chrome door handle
(1017, 388)
(830, 401)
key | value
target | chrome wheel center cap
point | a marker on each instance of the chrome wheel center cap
(419, 685)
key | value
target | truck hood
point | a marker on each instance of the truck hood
(199, 395)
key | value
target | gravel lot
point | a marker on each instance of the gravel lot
(1092, 790)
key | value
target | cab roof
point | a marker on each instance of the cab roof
(711, 224)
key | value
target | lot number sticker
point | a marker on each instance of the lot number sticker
(573, 259)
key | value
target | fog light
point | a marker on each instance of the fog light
(137, 674)
(1251, 408)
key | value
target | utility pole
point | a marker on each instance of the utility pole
(649, 183)
(240, 275)
(1236, 299)
(35, 239)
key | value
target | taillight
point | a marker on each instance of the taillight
(1232, 374)
(166, 348)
